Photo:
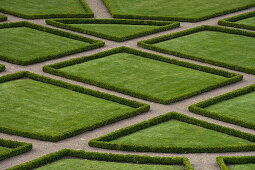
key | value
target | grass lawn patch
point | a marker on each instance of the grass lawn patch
(236, 163)
(230, 48)
(10, 148)
(174, 132)
(25, 43)
(246, 21)
(70, 159)
(3, 18)
(236, 107)
(185, 10)
(37, 9)
(113, 29)
(143, 75)
(69, 110)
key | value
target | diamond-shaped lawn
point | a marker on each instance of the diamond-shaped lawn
(45, 8)
(185, 10)
(45, 111)
(174, 132)
(26, 43)
(142, 75)
(229, 48)
(113, 29)
(236, 107)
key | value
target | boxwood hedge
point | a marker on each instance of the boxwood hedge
(3, 18)
(223, 161)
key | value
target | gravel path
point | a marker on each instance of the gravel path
(201, 161)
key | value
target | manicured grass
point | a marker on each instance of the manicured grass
(248, 21)
(23, 106)
(216, 46)
(184, 10)
(44, 8)
(242, 167)
(74, 164)
(177, 133)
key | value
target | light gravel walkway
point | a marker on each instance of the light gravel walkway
(200, 161)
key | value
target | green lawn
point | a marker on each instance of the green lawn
(177, 133)
(37, 107)
(241, 107)
(242, 167)
(26, 44)
(143, 75)
(247, 21)
(73, 164)
(216, 46)
(43, 7)
(174, 8)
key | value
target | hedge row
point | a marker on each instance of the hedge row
(231, 22)
(104, 141)
(65, 23)
(199, 108)
(139, 107)
(87, 14)
(3, 18)
(54, 69)
(16, 148)
(93, 43)
(2, 67)
(148, 44)
(172, 18)
(103, 157)
(223, 161)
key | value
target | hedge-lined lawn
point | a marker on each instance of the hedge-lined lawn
(248, 21)
(174, 8)
(143, 75)
(73, 164)
(37, 107)
(241, 108)
(242, 167)
(216, 46)
(177, 133)
(42, 7)
(26, 44)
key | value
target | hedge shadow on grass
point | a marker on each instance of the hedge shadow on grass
(223, 161)
(183, 161)
(139, 107)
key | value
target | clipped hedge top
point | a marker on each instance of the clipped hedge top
(39, 9)
(113, 29)
(3, 18)
(108, 157)
(106, 141)
(226, 162)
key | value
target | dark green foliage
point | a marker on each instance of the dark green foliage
(64, 23)
(199, 107)
(17, 148)
(2, 67)
(88, 14)
(231, 22)
(167, 18)
(104, 157)
(148, 44)
(103, 142)
(93, 43)
(222, 161)
(3, 18)
(139, 107)
(53, 69)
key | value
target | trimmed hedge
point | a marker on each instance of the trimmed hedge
(87, 14)
(64, 23)
(2, 67)
(148, 44)
(222, 161)
(199, 107)
(169, 18)
(231, 22)
(103, 157)
(3, 18)
(104, 141)
(54, 69)
(94, 43)
(139, 107)
(16, 148)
